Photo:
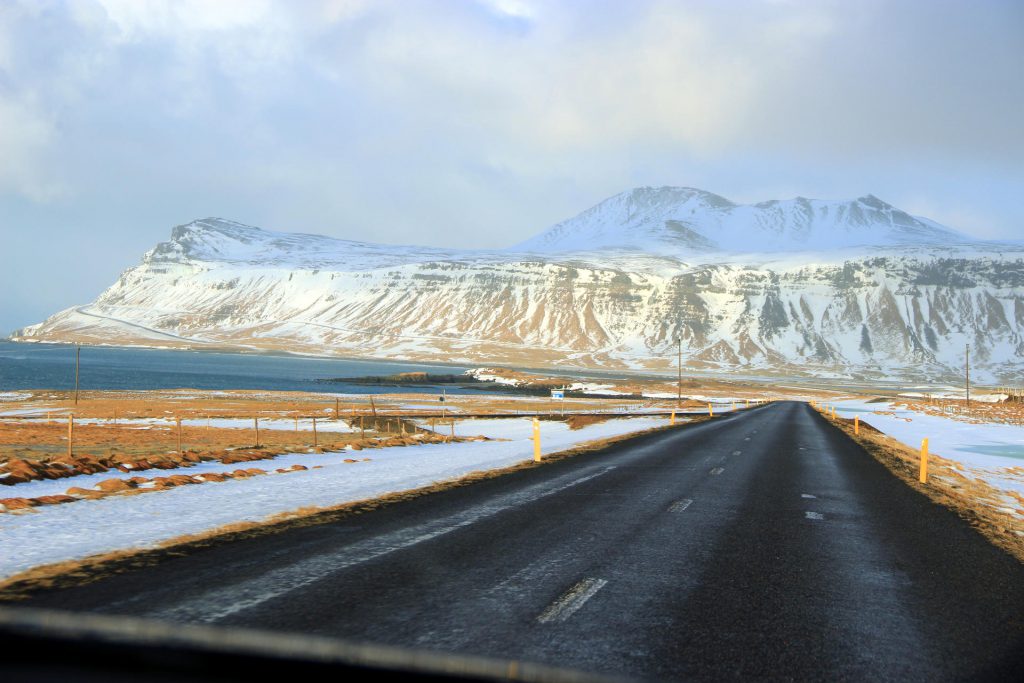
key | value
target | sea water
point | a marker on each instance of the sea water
(52, 366)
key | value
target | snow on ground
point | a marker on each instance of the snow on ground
(487, 375)
(305, 425)
(18, 412)
(957, 395)
(55, 533)
(987, 450)
(14, 396)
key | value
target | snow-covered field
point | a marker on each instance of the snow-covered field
(56, 533)
(987, 451)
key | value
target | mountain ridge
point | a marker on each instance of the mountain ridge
(672, 220)
(903, 309)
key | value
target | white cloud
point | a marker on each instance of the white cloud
(519, 9)
(137, 20)
(26, 136)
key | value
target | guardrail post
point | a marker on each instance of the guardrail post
(536, 439)
(923, 478)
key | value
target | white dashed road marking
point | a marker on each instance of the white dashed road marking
(814, 515)
(807, 495)
(567, 605)
(680, 505)
(718, 470)
(736, 452)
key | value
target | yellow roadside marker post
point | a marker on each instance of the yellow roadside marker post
(177, 420)
(71, 433)
(672, 420)
(856, 424)
(314, 432)
(924, 461)
(711, 413)
(256, 426)
(833, 412)
(536, 439)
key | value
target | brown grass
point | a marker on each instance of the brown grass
(581, 421)
(1007, 412)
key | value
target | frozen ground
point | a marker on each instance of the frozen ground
(986, 450)
(56, 533)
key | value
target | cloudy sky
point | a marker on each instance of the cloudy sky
(477, 123)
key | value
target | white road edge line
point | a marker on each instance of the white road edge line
(680, 505)
(570, 602)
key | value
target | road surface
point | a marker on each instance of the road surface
(761, 544)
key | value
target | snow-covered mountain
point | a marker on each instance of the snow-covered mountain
(681, 220)
(840, 289)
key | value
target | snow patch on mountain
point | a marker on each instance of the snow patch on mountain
(682, 220)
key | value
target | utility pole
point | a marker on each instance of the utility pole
(679, 364)
(78, 356)
(967, 374)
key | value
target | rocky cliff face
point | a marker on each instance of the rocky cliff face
(904, 306)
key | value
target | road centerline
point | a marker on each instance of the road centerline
(680, 505)
(571, 601)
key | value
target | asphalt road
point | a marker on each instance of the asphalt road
(763, 544)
